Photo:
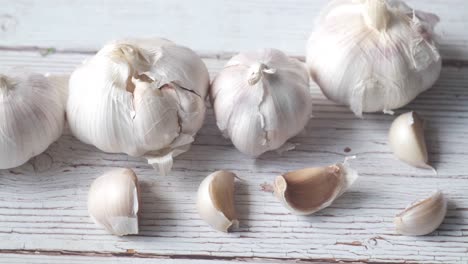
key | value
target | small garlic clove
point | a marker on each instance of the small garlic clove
(407, 141)
(422, 217)
(309, 190)
(215, 201)
(113, 202)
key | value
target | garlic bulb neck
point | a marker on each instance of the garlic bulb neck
(376, 14)
(257, 70)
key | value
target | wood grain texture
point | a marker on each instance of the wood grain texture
(43, 203)
(206, 26)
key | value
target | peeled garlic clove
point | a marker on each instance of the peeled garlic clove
(215, 201)
(422, 217)
(373, 55)
(142, 97)
(261, 99)
(309, 190)
(406, 138)
(31, 116)
(113, 202)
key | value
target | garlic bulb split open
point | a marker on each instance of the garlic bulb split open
(422, 217)
(309, 190)
(143, 97)
(31, 116)
(406, 138)
(373, 55)
(261, 99)
(113, 202)
(215, 201)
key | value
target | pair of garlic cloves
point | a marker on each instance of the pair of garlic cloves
(113, 202)
(407, 140)
(422, 217)
(303, 192)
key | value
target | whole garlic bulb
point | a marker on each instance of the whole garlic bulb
(373, 55)
(261, 99)
(31, 114)
(113, 202)
(141, 97)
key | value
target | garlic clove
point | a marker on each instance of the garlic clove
(422, 217)
(406, 138)
(215, 201)
(309, 190)
(113, 202)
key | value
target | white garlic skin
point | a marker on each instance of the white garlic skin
(32, 116)
(113, 202)
(261, 99)
(139, 97)
(215, 201)
(373, 55)
(422, 217)
(407, 141)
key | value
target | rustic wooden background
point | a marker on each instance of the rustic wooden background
(43, 216)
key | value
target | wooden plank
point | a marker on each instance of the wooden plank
(206, 26)
(43, 203)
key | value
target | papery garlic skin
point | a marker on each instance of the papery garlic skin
(113, 202)
(306, 191)
(140, 97)
(422, 217)
(373, 55)
(261, 99)
(407, 141)
(215, 201)
(32, 116)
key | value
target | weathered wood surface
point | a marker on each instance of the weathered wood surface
(206, 26)
(43, 217)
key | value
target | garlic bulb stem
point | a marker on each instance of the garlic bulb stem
(257, 70)
(376, 14)
(4, 82)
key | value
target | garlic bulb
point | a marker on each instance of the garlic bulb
(309, 190)
(406, 138)
(32, 116)
(261, 99)
(141, 97)
(215, 201)
(373, 55)
(113, 202)
(422, 217)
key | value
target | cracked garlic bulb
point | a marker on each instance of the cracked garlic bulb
(142, 97)
(373, 55)
(31, 114)
(261, 99)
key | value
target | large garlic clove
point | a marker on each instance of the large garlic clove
(422, 217)
(215, 201)
(309, 190)
(113, 202)
(406, 138)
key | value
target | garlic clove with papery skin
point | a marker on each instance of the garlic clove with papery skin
(407, 141)
(32, 116)
(215, 201)
(422, 217)
(261, 100)
(306, 191)
(113, 202)
(373, 55)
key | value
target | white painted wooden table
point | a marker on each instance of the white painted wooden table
(43, 216)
